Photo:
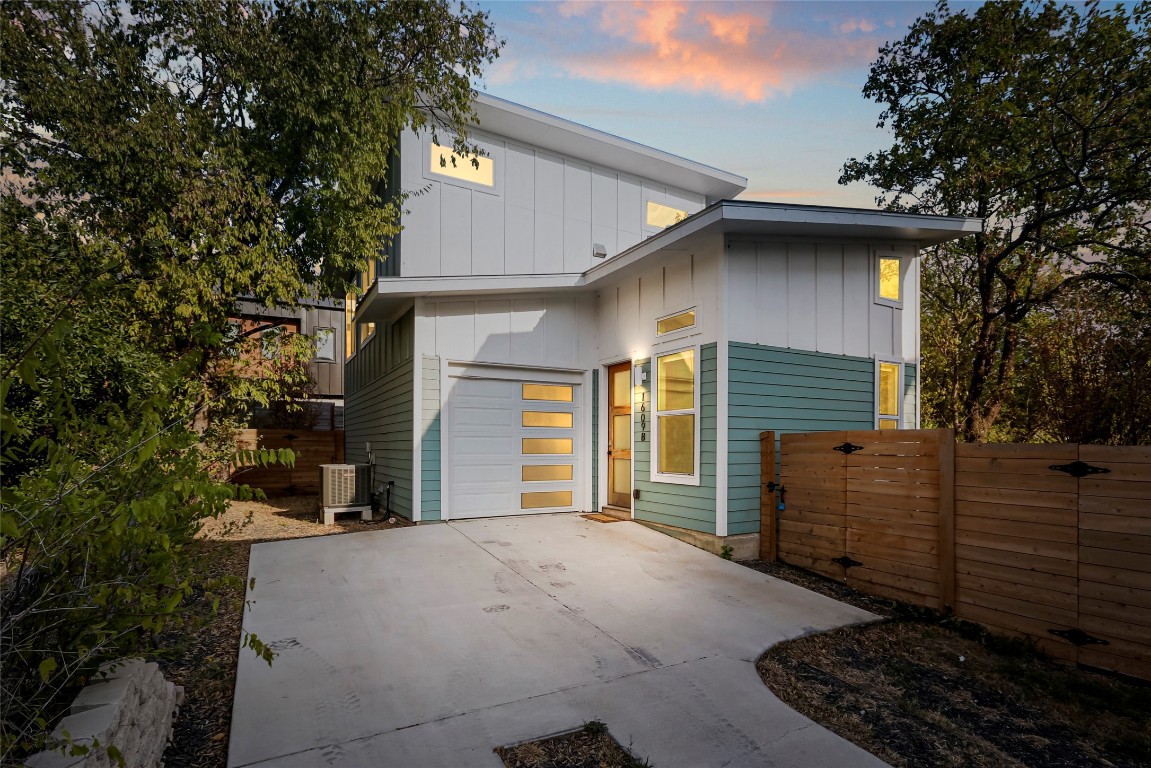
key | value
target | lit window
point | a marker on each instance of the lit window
(887, 396)
(475, 169)
(675, 322)
(349, 325)
(661, 216)
(675, 416)
(559, 393)
(540, 446)
(542, 499)
(553, 419)
(531, 473)
(889, 287)
(366, 330)
(326, 345)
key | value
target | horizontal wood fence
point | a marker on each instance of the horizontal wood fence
(312, 448)
(1047, 542)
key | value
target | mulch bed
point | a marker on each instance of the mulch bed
(589, 747)
(919, 689)
(202, 654)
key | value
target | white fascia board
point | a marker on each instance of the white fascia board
(519, 123)
(395, 292)
(779, 219)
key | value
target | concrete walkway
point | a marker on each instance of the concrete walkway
(430, 646)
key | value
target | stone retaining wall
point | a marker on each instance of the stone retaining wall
(130, 708)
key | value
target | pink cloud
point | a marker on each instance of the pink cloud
(733, 50)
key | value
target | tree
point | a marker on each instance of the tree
(1037, 119)
(161, 158)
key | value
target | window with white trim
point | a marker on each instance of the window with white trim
(675, 432)
(888, 280)
(678, 322)
(888, 394)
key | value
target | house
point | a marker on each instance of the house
(323, 319)
(577, 322)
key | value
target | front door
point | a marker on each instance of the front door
(619, 432)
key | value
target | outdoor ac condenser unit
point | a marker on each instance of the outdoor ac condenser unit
(345, 488)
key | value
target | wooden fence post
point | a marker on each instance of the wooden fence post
(947, 520)
(767, 527)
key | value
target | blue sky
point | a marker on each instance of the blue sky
(769, 90)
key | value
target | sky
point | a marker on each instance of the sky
(768, 90)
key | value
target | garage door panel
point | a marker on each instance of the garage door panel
(486, 474)
(509, 454)
(478, 416)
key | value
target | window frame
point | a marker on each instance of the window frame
(678, 332)
(877, 272)
(656, 439)
(493, 150)
(329, 333)
(899, 376)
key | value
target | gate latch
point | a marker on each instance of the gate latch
(1079, 469)
(846, 561)
(848, 448)
(1078, 637)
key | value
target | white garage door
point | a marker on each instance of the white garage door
(512, 447)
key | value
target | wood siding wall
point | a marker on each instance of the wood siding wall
(303, 478)
(994, 533)
(541, 217)
(786, 390)
(819, 297)
(379, 408)
(684, 506)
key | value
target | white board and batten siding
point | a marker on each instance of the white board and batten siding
(820, 297)
(541, 217)
(629, 307)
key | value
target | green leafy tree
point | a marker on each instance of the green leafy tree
(1035, 117)
(161, 158)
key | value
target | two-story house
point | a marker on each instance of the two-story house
(578, 322)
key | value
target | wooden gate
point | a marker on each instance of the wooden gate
(864, 508)
(1047, 542)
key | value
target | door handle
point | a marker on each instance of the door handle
(609, 451)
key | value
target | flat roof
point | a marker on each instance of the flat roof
(531, 126)
(726, 217)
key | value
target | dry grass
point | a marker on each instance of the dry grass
(919, 690)
(589, 747)
(203, 651)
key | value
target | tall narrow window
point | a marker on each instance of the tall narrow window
(676, 418)
(349, 325)
(888, 280)
(326, 345)
(887, 396)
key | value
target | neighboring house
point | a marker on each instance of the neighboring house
(583, 322)
(322, 319)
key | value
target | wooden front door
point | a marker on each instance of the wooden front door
(619, 434)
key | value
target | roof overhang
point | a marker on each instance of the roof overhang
(740, 218)
(515, 121)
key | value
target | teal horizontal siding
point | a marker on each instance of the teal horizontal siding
(684, 506)
(430, 445)
(380, 412)
(786, 390)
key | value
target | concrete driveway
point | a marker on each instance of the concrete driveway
(430, 646)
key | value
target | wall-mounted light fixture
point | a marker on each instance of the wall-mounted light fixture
(599, 251)
(639, 376)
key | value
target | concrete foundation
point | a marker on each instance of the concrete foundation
(744, 546)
